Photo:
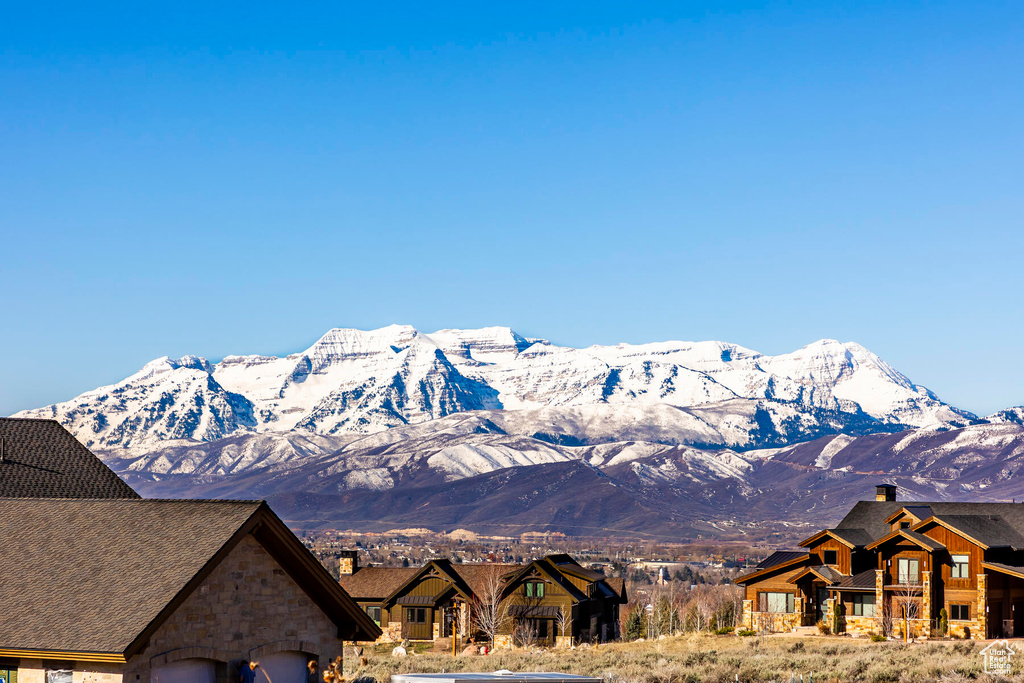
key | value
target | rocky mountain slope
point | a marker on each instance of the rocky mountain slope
(489, 430)
(354, 382)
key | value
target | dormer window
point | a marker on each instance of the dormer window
(535, 589)
(830, 557)
(904, 525)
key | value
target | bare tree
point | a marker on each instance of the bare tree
(524, 634)
(490, 610)
(564, 621)
(905, 605)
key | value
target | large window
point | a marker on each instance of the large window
(830, 557)
(535, 589)
(863, 605)
(416, 615)
(960, 612)
(908, 571)
(779, 603)
(960, 567)
(374, 613)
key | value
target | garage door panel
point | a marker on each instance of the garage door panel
(186, 671)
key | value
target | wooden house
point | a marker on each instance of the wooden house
(553, 599)
(891, 567)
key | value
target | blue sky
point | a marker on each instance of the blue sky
(225, 178)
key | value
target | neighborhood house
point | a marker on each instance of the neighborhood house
(550, 601)
(892, 567)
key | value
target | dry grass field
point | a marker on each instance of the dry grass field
(714, 659)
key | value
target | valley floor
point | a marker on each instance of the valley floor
(716, 659)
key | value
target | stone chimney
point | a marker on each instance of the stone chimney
(349, 562)
(885, 492)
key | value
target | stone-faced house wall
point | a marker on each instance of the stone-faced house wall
(246, 608)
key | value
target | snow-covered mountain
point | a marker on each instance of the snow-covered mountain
(353, 382)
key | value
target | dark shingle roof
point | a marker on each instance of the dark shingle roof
(96, 575)
(995, 532)
(90, 575)
(858, 537)
(862, 581)
(376, 583)
(927, 542)
(870, 515)
(780, 556)
(44, 460)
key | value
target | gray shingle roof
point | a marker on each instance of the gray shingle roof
(90, 575)
(870, 515)
(780, 556)
(995, 532)
(44, 460)
(862, 581)
(929, 543)
(858, 537)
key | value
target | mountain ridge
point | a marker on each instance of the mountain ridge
(353, 381)
(492, 431)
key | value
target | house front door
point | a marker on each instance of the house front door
(995, 620)
(819, 604)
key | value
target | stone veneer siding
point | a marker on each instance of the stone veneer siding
(246, 607)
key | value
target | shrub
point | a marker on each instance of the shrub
(943, 621)
(725, 630)
(877, 638)
(746, 632)
(823, 628)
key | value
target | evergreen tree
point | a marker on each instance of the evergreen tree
(636, 623)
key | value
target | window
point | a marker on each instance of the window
(830, 557)
(959, 568)
(416, 615)
(864, 605)
(8, 674)
(535, 589)
(960, 612)
(374, 613)
(59, 675)
(904, 525)
(908, 571)
(779, 603)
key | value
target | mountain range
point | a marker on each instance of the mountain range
(491, 430)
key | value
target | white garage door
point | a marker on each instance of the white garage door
(186, 671)
(284, 667)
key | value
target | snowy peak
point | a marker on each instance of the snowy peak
(341, 344)
(360, 382)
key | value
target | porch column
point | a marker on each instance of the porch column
(926, 601)
(830, 614)
(747, 618)
(798, 608)
(980, 631)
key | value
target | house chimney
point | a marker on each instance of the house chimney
(885, 492)
(349, 562)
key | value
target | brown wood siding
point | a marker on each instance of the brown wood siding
(891, 552)
(429, 586)
(828, 543)
(955, 545)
